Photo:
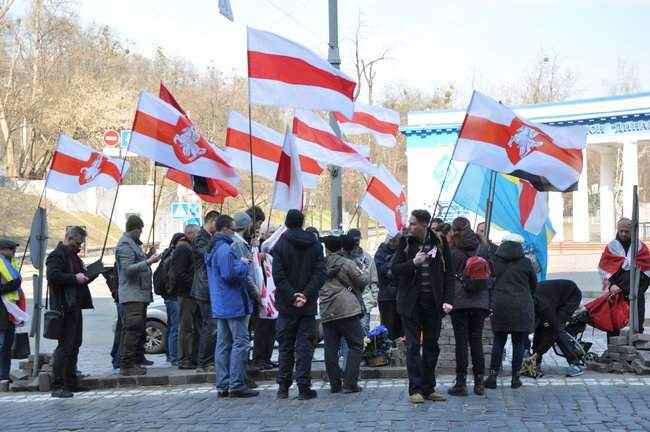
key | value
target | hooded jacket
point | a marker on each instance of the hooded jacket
(227, 280)
(556, 300)
(65, 292)
(514, 290)
(339, 295)
(465, 247)
(298, 267)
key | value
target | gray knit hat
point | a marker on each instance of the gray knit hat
(242, 221)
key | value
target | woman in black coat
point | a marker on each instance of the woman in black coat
(512, 305)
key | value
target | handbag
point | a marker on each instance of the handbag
(608, 312)
(52, 320)
(20, 349)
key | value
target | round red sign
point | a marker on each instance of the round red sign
(111, 138)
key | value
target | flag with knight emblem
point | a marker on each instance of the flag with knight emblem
(493, 136)
(76, 167)
(385, 201)
(164, 134)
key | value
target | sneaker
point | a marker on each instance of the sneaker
(435, 397)
(61, 393)
(306, 394)
(355, 389)
(416, 398)
(283, 392)
(222, 393)
(133, 371)
(243, 393)
(250, 383)
(574, 371)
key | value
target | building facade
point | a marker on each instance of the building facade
(617, 158)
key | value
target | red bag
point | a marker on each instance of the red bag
(608, 312)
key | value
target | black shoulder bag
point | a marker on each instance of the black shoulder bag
(52, 320)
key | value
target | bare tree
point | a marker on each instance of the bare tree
(625, 81)
(365, 68)
(547, 80)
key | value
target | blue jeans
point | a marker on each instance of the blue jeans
(171, 341)
(231, 353)
(518, 348)
(6, 342)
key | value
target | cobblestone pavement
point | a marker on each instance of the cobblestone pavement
(593, 402)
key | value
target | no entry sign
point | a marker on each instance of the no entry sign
(111, 138)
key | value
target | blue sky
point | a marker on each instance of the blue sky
(430, 41)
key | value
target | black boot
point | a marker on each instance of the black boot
(460, 388)
(479, 386)
(306, 393)
(516, 381)
(491, 381)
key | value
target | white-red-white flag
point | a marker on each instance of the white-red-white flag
(285, 73)
(267, 147)
(380, 122)
(315, 138)
(385, 201)
(549, 157)
(533, 208)
(162, 133)
(287, 191)
(76, 167)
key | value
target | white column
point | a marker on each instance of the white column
(630, 174)
(607, 211)
(581, 205)
(556, 214)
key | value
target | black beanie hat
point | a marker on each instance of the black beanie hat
(294, 219)
(134, 222)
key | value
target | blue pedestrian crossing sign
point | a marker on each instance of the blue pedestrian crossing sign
(190, 213)
(125, 137)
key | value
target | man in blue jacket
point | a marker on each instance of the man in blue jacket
(232, 307)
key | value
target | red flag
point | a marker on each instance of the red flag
(284, 73)
(549, 157)
(614, 257)
(287, 192)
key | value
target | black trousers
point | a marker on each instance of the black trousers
(422, 357)
(297, 341)
(390, 318)
(207, 335)
(545, 336)
(66, 353)
(518, 347)
(350, 330)
(133, 328)
(264, 340)
(189, 326)
(468, 329)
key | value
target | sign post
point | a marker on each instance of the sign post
(38, 248)
(634, 270)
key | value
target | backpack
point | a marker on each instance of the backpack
(476, 274)
(161, 275)
(112, 280)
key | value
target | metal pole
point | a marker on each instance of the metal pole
(634, 271)
(38, 294)
(490, 203)
(336, 195)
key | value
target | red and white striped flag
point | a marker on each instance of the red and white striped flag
(533, 208)
(549, 157)
(385, 201)
(380, 122)
(315, 138)
(287, 191)
(162, 133)
(284, 73)
(76, 167)
(267, 147)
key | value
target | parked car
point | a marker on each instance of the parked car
(156, 327)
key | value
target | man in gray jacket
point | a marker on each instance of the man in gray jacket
(201, 245)
(134, 293)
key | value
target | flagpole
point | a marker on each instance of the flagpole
(155, 212)
(453, 197)
(40, 200)
(490, 204)
(154, 205)
(250, 133)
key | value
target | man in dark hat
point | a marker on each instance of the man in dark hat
(9, 285)
(299, 273)
(134, 293)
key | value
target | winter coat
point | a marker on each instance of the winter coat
(134, 273)
(200, 247)
(387, 281)
(464, 248)
(441, 273)
(514, 290)
(340, 294)
(181, 270)
(227, 280)
(65, 292)
(6, 287)
(556, 300)
(370, 292)
(298, 267)
(242, 249)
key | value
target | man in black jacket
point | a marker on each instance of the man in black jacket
(181, 278)
(387, 297)
(69, 294)
(424, 270)
(298, 273)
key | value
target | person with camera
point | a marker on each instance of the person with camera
(69, 295)
(340, 312)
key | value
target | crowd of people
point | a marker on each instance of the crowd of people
(229, 282)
